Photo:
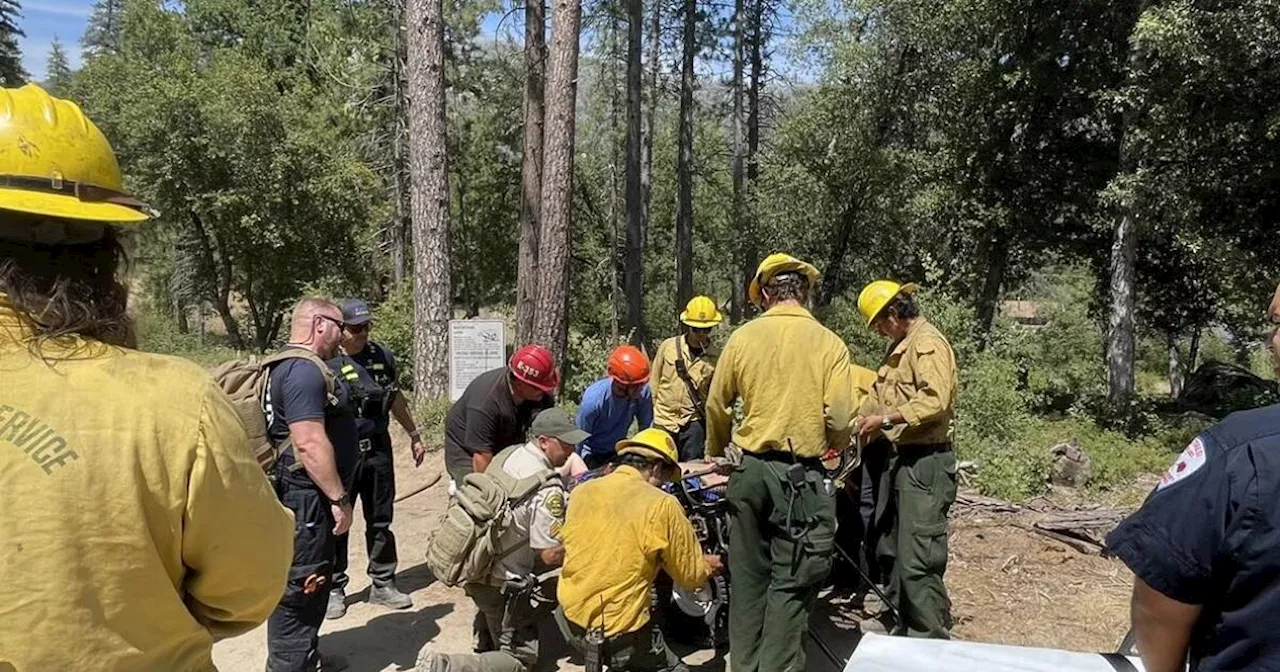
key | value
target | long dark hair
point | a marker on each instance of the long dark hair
(68, 289)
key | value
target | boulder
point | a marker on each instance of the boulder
(1071, 466)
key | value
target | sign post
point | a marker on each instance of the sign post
(475, 346)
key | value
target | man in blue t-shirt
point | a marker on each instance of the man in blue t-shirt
(1205, 551)
(310, 418)
(611, 403)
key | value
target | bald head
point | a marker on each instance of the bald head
(316, 324)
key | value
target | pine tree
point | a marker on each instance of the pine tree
(11, 70)
(102, 35)
(57, 72)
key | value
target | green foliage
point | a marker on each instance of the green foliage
(431, 414)
(158, 333)
(12, 74)
(57, 72)
(393, 328)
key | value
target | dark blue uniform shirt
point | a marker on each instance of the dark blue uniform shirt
(297, 391)
(371, 376)
(1210, 535)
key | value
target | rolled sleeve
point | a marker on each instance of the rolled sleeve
(237, 539)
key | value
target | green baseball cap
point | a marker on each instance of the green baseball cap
(554, 422)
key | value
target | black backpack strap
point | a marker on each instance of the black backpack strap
(1119, 663)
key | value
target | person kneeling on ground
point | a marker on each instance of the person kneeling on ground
(531, 541)
(606, 586)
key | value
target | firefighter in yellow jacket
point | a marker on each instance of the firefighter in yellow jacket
(793, 377)
(138, 527)
(914, 408)
(682, 369)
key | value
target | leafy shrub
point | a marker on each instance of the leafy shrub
(393, 328)
(430, 414)
(159, 333)
(991, 415)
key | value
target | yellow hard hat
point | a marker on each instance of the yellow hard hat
(701, 313)
(776, 263)
(55, 162)
(878, 294)
(652, 442)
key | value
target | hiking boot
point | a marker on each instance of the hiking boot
(330, 662)
(337, 604)
(389, 596)
(872, 605)
(430, 661)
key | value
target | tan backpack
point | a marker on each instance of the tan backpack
(245, 382)
(465, 543)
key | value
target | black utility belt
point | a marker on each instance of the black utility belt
(786, 458)
(922, 449)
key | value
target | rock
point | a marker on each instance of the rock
(1071, 466)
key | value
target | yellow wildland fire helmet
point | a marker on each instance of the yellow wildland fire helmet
(774, 264)
(701, 313)
(652, 442)
(55, 162)
(877, 295)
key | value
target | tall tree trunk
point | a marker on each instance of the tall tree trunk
(651, 114)
(684, 160)
(399, 150)
(1176, 369)
(617, 243)
(1193, 352)
(551, 324)
(997, 261)
(215, 262)
(1120, 331)
(634, 267)
(755, 42)
(535, 64)
(428, 161)
(738, 297)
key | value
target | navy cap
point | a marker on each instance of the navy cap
(355, 311)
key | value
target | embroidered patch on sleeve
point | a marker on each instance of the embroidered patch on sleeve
(1187, 463)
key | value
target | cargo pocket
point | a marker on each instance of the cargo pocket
(929, 549)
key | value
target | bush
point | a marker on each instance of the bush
(393, 328)
(431, 414)
(159, 333)
(991, 416)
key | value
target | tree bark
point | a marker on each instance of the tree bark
(738, 297)
(755, 41)
(551, 324)
(218, 264)
(651, 115)
(1176, 370)
(399, 150)
(617, 244)
(1193, 352)
(1120, 331)
(428, 161)
(684, 160)
(997, 260)
(633, 275)
(535, 64)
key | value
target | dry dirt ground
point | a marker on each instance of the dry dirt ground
(1007, 586)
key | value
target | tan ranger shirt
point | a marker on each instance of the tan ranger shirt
(673, 405)
(794, 378)
(136, 527)
(918, 378)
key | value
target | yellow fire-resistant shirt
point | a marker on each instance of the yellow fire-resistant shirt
(620, 530)
(136, 527)
(673, 405)
(918, 378)
(864, 385)
(794, 378)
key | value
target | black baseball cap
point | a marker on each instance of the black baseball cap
(554, 422)
(355, 311)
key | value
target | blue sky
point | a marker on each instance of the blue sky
(43, 20)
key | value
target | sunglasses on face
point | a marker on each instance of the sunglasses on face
(357, 328)
(338, 323)
(702, 331)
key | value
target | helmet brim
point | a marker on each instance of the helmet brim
(68, 207)
(810, 271)
(701, 324)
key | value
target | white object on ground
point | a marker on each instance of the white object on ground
(880, 653)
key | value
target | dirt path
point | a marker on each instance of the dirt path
(1006, 586)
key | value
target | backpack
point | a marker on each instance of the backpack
(245, 382)
(464, 545)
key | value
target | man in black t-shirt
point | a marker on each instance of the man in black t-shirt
(496, 409)
(370, 370)
(319, 436)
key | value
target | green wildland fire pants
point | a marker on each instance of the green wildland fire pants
(781, 539)
(917, 493)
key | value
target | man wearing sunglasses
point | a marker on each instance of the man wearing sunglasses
(370, 370)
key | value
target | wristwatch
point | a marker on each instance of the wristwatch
(344, 500)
